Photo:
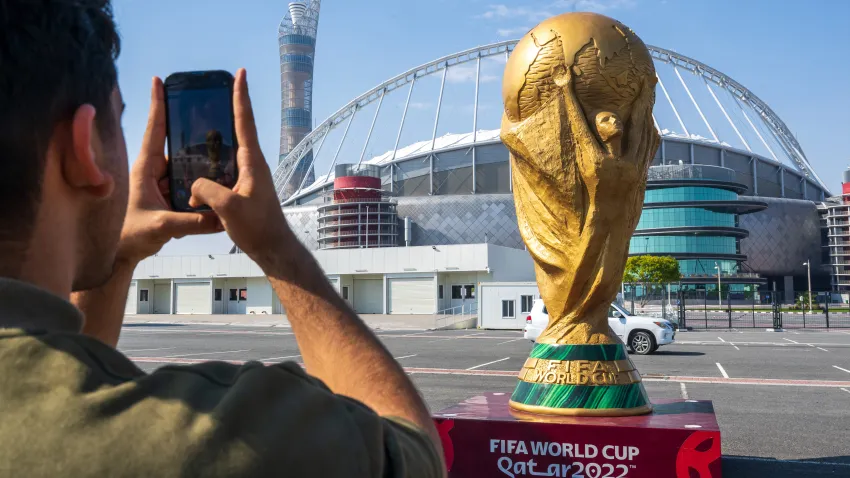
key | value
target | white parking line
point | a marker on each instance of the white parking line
(488, 363)
(842, 369)
(721, 339)
(848, 391)
(819, 348)
(722, 371)
(205, 353)
(278, 358)
(508, 341)
(473, 335)
(792, 341)
(406, 356)
(733, 345)
(684, 391)
(145, 350)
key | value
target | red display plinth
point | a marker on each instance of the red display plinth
(483, 437)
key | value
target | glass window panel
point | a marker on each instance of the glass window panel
(683, 244)
(688, 193)
(453, 172)
(684, 217)
(412, 178)
(675, 152)
(705, 155)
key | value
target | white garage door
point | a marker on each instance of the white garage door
(369, 296)
(132, 300)
(193, 298)
(162, 298)
(412, 296)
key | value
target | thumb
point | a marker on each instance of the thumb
(221, 199)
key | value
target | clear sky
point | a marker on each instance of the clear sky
(794, 55)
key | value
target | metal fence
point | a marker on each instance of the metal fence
(699, 309)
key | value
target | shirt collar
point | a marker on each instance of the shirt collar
(25, 306)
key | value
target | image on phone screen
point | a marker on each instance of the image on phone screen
(201, 140)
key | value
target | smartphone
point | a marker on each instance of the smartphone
(200, 131)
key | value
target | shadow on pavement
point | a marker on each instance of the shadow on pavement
(748, 466)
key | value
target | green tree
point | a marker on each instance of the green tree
(648, 271)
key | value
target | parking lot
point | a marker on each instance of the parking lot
(778, 395)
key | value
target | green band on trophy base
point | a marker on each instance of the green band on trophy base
(580, 380)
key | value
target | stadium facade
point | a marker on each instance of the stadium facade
(420, 227)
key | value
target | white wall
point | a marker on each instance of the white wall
(510, 265)
(259, 296)
(490, 304)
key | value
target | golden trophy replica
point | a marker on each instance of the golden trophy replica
(578, 91)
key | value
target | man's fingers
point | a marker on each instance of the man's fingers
(246, 128)
(181, 224)
(153, 143)
(221, 199)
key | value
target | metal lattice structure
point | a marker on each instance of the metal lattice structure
(782, 159)
(297, 42)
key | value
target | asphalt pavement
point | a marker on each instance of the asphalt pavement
(781, 398)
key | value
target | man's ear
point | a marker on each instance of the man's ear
(80, 166)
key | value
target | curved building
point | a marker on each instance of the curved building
(691, 212)
(728, 173)
(297, 42)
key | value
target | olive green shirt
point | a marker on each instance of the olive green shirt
(73, 406)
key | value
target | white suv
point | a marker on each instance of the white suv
(642, 334)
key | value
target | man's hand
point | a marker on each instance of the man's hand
(150, 222)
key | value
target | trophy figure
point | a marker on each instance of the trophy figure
(578, 91)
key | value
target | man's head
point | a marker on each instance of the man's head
(63, 161)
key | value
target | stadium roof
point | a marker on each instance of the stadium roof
(694, 102)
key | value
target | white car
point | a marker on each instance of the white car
(643, 335)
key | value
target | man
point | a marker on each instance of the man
(74, 220)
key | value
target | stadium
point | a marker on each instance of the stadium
(727, 184)
(404, 194)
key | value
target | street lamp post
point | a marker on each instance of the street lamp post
(719, 298)
(808, 265)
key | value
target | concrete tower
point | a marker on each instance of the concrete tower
(297, 41)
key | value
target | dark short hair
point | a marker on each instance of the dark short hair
(55, 55)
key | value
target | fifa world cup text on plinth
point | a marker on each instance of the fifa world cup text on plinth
(578, 93)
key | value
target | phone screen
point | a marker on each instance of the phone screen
(201, 140)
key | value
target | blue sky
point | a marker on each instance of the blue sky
(793, 55)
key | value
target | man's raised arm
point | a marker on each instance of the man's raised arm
(336, 345)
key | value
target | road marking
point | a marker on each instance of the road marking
(512, 374)
(508, 341)
(792, 341)
(145, 350)
(684, 391)
(819, 348)
(722, 372)
(842, 369)
(733, 345)
(488, 363)
(406, 356)
(721, 339)
(277, 358)
(472, 335)
(848, 391)
(206, 353)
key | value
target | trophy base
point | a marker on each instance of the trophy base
(484, 437)
(580, 380)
